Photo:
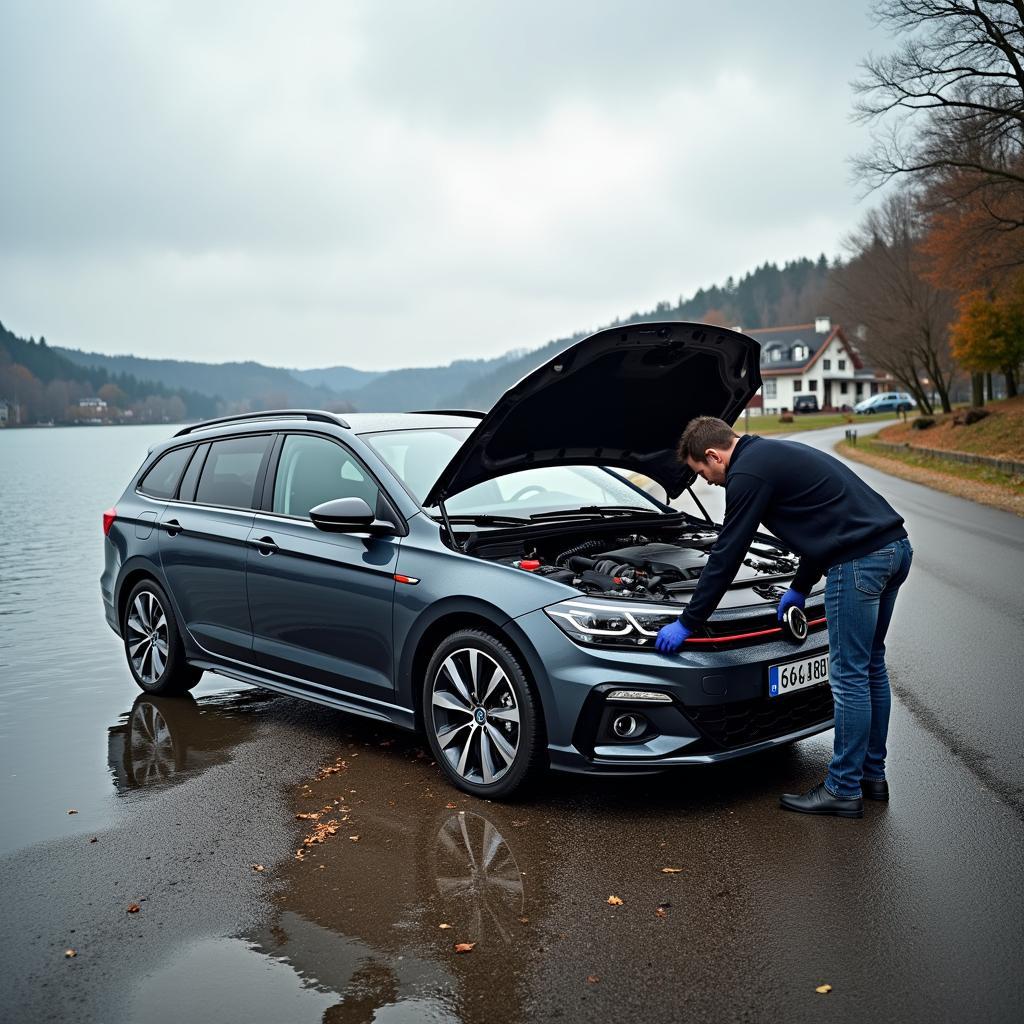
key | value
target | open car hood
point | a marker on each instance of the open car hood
(621, 397)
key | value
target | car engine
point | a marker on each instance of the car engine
(646, 568)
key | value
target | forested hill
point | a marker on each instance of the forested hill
(45, 386)
(766, 297)
(236, 384)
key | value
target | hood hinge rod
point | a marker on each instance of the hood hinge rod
(448, 526)
(699, 505)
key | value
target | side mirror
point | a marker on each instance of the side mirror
(349, 515)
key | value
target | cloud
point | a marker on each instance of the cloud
(399, 184)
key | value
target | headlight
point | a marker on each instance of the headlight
(611, 625)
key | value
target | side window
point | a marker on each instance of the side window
(230, 471)
(313, 470)
(162, 479)
(187, 490)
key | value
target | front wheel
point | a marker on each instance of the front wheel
(480, 715)
(152, 644)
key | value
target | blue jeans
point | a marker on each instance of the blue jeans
(859, 599)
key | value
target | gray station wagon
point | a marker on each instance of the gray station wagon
(495, 580)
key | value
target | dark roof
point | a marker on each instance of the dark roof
(785, 339)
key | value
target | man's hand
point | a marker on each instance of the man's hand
(790, 597)
(671, 637)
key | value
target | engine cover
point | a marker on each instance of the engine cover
(660, 559)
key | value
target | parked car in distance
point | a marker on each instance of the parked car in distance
(886, 401)
(806, 403)
(494, 580)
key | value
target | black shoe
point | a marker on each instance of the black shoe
(820, 801)
(875, 789)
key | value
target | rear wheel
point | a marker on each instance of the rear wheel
(481, 718)
(152, 644)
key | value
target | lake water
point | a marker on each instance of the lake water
(63, 678)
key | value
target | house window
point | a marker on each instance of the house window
(798, 385)
(775, 354)
(842, 364)
(770, 389)
(827, 364)
(812, 385)
(842, 387)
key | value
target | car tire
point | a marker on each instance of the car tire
(481, 716)
(152, 643)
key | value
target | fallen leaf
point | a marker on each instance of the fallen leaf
(464, 947)
(451, 806)
(72, 811)
(824, 989)
(671, 871)
(593, 979)
(355, 839)
(133, 908)
(615, 901)
(70, 952)
(444, 926)
(258, 867)
(661, 912)
(524, 920)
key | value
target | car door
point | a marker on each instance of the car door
(203, 541)
(321, 603)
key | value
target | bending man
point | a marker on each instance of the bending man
(838, 525)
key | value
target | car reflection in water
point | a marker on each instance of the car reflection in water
(361, 920)
(164, 739)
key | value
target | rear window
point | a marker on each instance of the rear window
(230, 472)
(162, 479)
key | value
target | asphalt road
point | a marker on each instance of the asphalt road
(914, 913)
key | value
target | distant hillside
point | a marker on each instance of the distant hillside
(336, 378)
(239, 385)
(424, 387)
(47, 386)
(766, 297)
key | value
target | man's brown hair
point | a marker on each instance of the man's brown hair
(703, 433)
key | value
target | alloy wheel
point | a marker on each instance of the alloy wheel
(148, 645)
(475, 716)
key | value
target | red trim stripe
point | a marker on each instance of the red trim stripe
(746, 636)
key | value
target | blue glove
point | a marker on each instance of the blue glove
(671, 637)
(791, 596)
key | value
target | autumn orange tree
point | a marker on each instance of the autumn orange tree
(988, 334)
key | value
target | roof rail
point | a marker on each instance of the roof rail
(475, 413)
(267, 414)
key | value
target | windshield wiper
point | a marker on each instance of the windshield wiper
(600, 511)
(485, 520)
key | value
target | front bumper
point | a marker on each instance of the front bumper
(718, 707)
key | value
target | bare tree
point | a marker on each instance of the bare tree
(906, 318)
(949, 106)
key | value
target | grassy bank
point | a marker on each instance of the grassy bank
(1000, 434)
(983, 484)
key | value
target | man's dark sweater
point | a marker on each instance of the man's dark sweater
(817, 507)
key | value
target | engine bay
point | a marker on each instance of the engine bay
(661, 566)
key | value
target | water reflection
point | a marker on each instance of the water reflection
(478, 877)
(161, 740)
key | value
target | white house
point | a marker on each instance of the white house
(812, 359)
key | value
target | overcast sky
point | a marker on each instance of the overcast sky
(388, 184)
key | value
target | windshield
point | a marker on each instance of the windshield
(418, 456)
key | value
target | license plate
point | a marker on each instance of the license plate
(797, 675)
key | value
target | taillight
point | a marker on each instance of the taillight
(108, 519)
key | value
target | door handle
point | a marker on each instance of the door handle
(173, 527)
(265, 545)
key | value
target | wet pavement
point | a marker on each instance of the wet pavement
(913, 913)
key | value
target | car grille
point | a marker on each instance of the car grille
(743, 722)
